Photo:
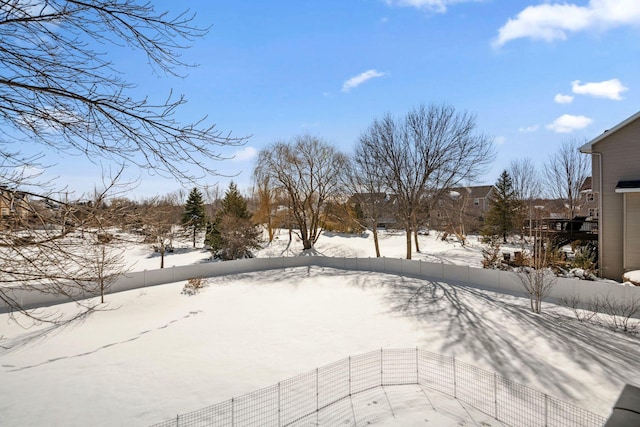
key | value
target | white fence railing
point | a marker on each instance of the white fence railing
(582, 291)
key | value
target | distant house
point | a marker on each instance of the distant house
(588, 203)
(462, 208)
(14, 206)
(615, 156)
(382, 205)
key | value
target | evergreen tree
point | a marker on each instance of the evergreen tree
(232, 235)
(194, 214)
(504, 208)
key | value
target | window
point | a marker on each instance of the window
(593, 212)
(4, 212)
(476, 202)
(591, 197)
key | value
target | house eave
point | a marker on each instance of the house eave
(588, 147)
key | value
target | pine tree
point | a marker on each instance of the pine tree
(194, 213)
(503, 209)
(232, 235)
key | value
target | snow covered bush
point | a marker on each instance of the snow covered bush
(193, 286)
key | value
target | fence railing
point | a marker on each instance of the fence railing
(582, 291)
(303, 397)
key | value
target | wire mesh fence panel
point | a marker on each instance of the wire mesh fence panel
(519, 405)
(320, 397)
(366, 371)
(298, 397)
(476, 387)
(436, 372)
(259, 408)
(333, 383)
(563, 414)
(399, 366)
(218, 415)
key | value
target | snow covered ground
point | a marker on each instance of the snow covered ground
(152, 353)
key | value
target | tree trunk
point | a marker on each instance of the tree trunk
(270, 229)
(162, 257)
(375, 240)
(415, 233)
(307, 244)
(194, 237)
(408, 243)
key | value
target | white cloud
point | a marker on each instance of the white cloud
(529, 129)
(610, 89)
(361, 78)
(246, 153)
(431, 5)
(563, 99)
(567, 123)
(499, 140)
(554, 21)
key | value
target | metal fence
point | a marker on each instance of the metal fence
(304, 396)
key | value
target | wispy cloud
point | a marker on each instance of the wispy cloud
(360, 78)
(610, 89)
(567, 123)
(439, 6)
(529, 129)
(563, 99)
(499, 140)
(244, 154)
(554, 21)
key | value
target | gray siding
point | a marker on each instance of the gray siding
(620, 153)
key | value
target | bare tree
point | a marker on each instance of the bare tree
(369, 191)
(565, 173)
(421, 156)
(43, 248)
(266, 199)
(308, 171)
(160, 218)
(537, 278)
(58, 91)
(526, 184)
(105, 263)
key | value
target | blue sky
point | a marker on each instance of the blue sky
(535, 73)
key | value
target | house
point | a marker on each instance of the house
(588, 203)
(462, 208)
(615, 164)
(379, 206)
(14, 206)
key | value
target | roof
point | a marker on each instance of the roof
(628, 187)
(586, 185)
(477, 192)
(586, 148)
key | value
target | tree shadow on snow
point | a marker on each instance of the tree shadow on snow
(502, 332)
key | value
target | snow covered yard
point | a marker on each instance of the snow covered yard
(154, 353)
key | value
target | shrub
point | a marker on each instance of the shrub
(193, 286)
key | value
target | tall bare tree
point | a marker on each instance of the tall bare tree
(369, 190)
(565, 172)
(266, 200)
(308, 171)
(61, 92)
(58, 91)
(423, 154)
